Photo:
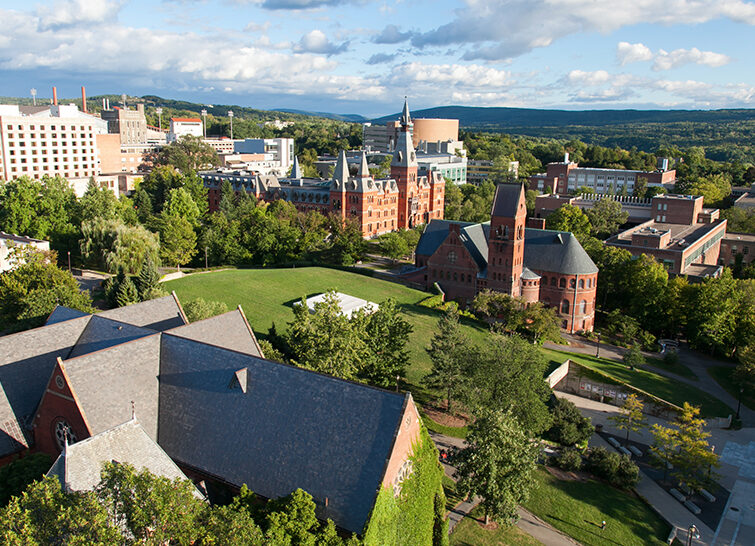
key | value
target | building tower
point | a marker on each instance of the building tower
(506, 241)
(404, 172)
(338, 185)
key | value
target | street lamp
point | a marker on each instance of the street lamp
(597, 348)
(123, 100)
(204, 123)
(739, 400)
(692, 532)
(205, 257)
(230, 116)
(33, 95)
(69, 261)
(159, 112)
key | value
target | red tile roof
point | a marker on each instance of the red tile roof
(196, 120)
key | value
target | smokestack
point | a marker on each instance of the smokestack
(103, 104)
(55, 96)
(108, 103)
(83, 99)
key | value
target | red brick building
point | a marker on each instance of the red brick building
(380, 206)
(506, 256)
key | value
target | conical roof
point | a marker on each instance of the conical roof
(364, 171)
(295, 169)
(341, 173)
(405, 117)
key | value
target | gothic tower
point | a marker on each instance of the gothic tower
(404, 172)
(506, 241)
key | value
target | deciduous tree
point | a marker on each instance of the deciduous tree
(630, 416)
(447, 351)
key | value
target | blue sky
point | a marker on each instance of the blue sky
(363, 56)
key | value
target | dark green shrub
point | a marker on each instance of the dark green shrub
(569, 459)
(569, 426)
(627, 474)
(618, 470)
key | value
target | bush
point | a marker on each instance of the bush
(199, 309)
(618, 470)
(633, 357)
(569, 459)
(671, 357)
(569, 426)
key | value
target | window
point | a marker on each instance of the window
(582, 307)
(545, 281)
(572, 283)
(562, 283)
(553, 281)
(581, 284)
(565, 306)
(452, 257)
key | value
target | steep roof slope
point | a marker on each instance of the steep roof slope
(556, 251)
(277, 427)
(506, 200)
(79, 466)
(229, 330)
(158, 314)
(101, 333)
(61, 314)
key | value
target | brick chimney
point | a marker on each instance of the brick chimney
(83, 99)
(55, 96)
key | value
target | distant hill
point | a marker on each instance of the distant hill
(503, 118)
(351, 118)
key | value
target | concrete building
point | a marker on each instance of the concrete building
(566, 177)
(504, 255)
(8, 242)
(404, 200)
(681, 235)
(130, 124)
(184, 127)
(222, 145)
(435, 130)
(275, 155)
(49, 140)
(479, 170)
(449, 165)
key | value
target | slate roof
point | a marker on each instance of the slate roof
(506, 200)
(101, 333)
(291, 428)
(106, 382)
(556, 251)
(229, 330)
(474, 237)
(158, 314)
(62, 314)
(26, 363)
(79, 466)
(529, 275)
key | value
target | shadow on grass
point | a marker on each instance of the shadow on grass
(599, 535)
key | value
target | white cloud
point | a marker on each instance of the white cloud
(632, 53)
(467, 76)
(77, 12)
(581, 77)
(537, 23)
(679, 57)
(391, 35)
(316, 42)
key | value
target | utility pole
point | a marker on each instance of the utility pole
(204, 123)
(230, 116)
(33, 92)
(159, 112)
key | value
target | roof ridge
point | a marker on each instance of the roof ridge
(72, 359)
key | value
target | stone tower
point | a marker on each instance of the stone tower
(404, 172)
(506, 241)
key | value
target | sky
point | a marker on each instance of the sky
(364, 56)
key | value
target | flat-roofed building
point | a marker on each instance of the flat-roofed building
(180, 127)
(131, 125)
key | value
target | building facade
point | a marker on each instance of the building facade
(180, 127)
(131, 125)
(567, 177)
(504, 255)
(403, 201)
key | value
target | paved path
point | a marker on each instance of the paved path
(528, 522)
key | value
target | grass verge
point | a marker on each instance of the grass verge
(658, 385)
(578, 508)
(677, 368)
(456, 432)
(724, 377)
(469, 532)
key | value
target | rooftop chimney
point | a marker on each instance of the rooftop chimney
(55, 96)
(83, 99)
(566, 157)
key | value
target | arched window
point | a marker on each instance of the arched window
(454, 276)
(565, 306)
(562, 283)
(572, 283)
(553, 281)
(582, 307)
(544, 281)
(581, 284)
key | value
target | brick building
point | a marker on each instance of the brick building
(403, 201)
(506, 256)
(207, 396)
(566, 177)
(737, 244)
(681, 234)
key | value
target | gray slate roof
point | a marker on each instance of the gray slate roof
(26, 363)
(61, 314)
(106, 382)
(78, 467)
(557, 251)
(529, 275)
(229, 330)
(292, 428)
(474, 237)
(102, 333)
(506, 200)
(158, 314)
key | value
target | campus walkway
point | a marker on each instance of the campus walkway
(528, 522)
(737, 449)
(696, 362)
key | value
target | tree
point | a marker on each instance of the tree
(347, 242)
(630, 416)
(453, 200)
(180, 204)
(18, 475)
(568, 426)
(44, 514)
(113, 245)
(606, 216)
(447, 355)
(694, 455)
(199, 309)
(179, 242)
(386, 333)
(744, 373)
(569, 218)
(29, 293)
(506, 373)
(189, 153)
(497, 464)
(127, 293)
(148, 280)
(98, 202)
(541, 322)
(394, 246)
(641, 187)
(158, 183)
(633, 357)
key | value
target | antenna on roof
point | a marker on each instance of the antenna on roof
(133, 410)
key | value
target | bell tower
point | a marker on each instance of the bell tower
(506, 241)
(404, 172)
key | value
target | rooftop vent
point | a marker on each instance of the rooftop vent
(239, 380)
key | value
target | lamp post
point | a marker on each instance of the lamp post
(159, 112)
(205, 257)
(397, 379)
(123, 100)
(739, 400)
(230, 116)
(33, 92)
(69, 261)
(597, 348)
(204, 123)
(692, 532)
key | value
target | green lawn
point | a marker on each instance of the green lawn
(723, 375)
(678, 368)
(452, 497)
(658, 385)
(469, 533)
(266, 295)
(578, 508)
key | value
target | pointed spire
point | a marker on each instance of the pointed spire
(295, 169)
(364, 170)
(406, 119)
(341, 174)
